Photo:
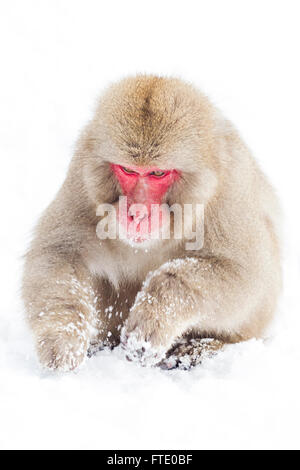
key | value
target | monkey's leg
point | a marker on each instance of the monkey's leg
(61, 309)
(188, 353)
(206, 295)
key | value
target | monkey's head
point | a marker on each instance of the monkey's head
(153, 143)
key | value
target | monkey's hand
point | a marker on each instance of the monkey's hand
(145, 338)
(63, 316)
(62, 349)
(163, 311)
(183, 295)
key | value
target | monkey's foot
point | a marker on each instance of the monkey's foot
(98, 345)
(94, 348)
(190, 352)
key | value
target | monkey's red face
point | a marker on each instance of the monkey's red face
(141, 214)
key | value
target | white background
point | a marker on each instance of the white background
(55, 59)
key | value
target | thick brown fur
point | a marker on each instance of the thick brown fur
(79, 290)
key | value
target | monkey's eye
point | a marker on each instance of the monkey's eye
(158, 174)
(128, 171)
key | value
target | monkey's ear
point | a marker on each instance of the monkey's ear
(100, 185)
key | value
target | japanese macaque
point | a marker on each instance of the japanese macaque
(107, 264)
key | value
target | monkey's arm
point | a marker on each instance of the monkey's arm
(61, 308)
(206, 295)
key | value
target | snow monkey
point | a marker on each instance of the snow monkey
(159, 143)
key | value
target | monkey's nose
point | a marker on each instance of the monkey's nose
(137, 214)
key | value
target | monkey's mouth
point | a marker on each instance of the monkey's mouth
(141, 227)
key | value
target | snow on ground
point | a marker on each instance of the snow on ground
(56, 57)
